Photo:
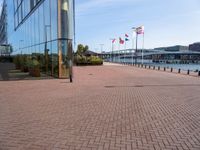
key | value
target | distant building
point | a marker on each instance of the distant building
(173, 48)
(5, 50)
(90, 53)
(194, 46)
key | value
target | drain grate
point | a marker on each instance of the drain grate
(138, 86)
(109, 86)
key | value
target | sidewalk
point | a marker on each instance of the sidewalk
(106, 107)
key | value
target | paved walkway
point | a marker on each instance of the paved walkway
(107, 107)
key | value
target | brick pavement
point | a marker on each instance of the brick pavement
(107, 107)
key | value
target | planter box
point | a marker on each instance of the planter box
(34, 72)
(17, 67)
(24, 69)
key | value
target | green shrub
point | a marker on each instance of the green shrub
(33, 64)
(96, 60)
(83, 60)
(16, 61)
(34, 67)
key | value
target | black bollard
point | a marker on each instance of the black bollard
(158, 67)
(199, 73)
(188, 72)
(70, 78)
(171, 69)
(149, 67)
(179, 70)
(154, 67)
(164, 69)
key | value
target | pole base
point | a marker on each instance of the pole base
(70, 78)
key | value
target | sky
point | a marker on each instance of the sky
(166, 22)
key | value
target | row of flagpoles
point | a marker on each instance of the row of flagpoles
(122, 41)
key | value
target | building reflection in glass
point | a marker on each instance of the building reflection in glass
(46, 28)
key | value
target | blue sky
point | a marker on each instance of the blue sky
(167, 22)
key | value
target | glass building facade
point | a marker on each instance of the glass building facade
(43, 29)
(3, 24)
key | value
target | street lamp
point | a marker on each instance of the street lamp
(139, 30)
(135, 30)
(45, 49)
(112, 42)
(46, 26)
(101, 45)
(20, 45)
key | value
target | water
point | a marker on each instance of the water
(191, 67)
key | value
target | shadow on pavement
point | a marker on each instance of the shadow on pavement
(140, 86)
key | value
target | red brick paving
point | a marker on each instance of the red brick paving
(107, 107)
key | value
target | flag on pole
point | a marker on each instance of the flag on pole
(121, 41)
(126, 39)
(113, 41)
(140, 30)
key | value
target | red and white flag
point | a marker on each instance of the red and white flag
(113, 41)
(121, 41)
(126, 35)
(140, 30)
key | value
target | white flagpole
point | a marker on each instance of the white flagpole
(119, 45)
(124, 49)
(113, 56)
(143, 49)
(133, 46)
(125, 44)
(111, 51)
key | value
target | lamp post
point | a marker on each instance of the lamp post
(101, 45)
(45, 49)
(20, 45)
(46, 26)
(135, 30)
(139, 30)
(112, 48)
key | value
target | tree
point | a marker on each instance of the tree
(81, 49)
(86, 48)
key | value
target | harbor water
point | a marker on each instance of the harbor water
(191, 67)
